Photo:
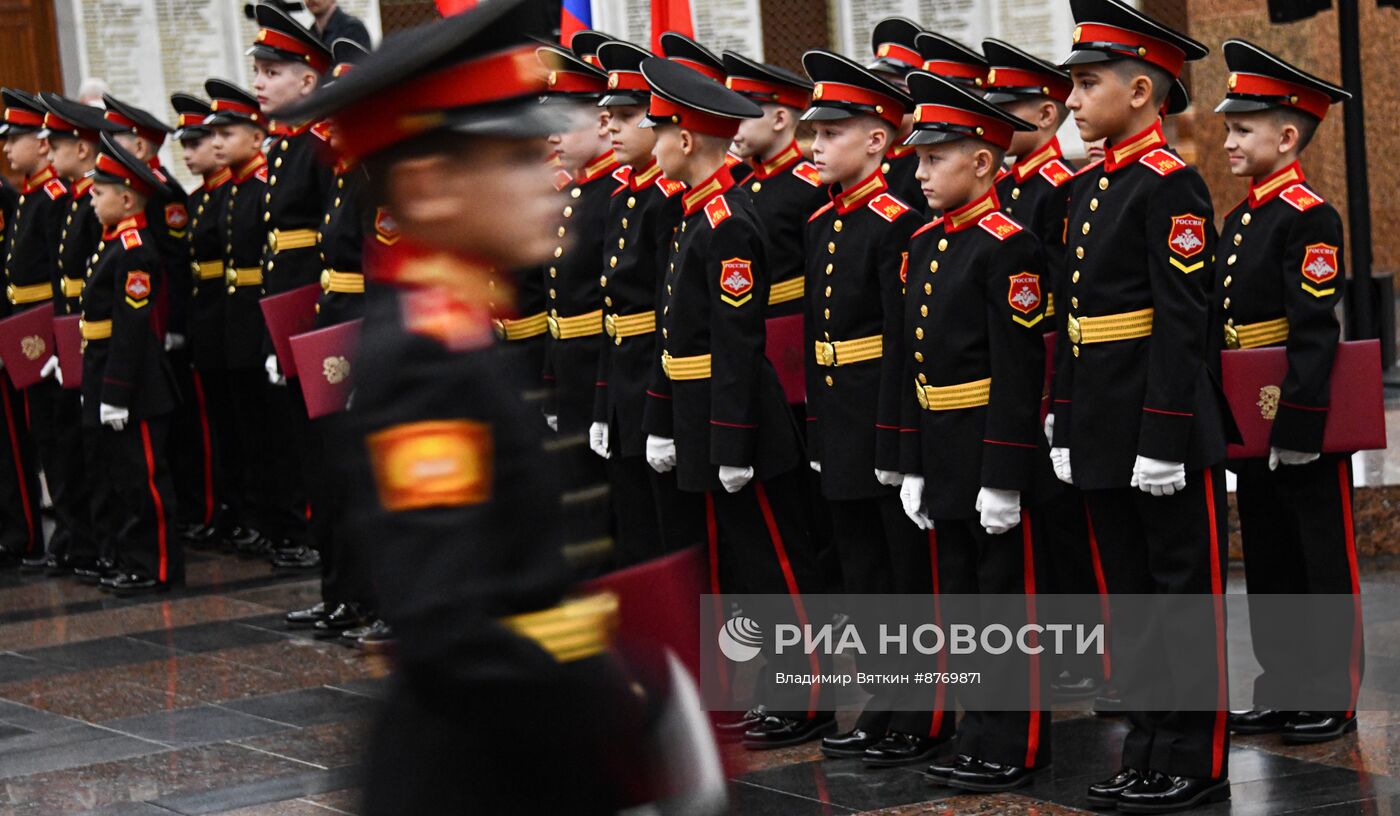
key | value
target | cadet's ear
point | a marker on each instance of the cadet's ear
(687, 142)
(309, 80)
(1141, 88)
(879, 141)
(781, 118)
(1288, 138)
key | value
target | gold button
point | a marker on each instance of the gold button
(923, 378)
(1085, 228)
(918, 356)
(1015, 193)
(558, 252)
(828, 291)
(1093, 204)
(1246, 218)
(1103, 183)
(1075, 277)
(756, 187)
(919, 333)
(267, 216)
(621, 243)
(1229, 280)
(682, 226)
(1230, 261)
(1079, 253)
(828, 379)
(553, 272)
(1074, 302)
(1230, 322)
(884, 167)
(552, 294)
(831, 247)
(624, 223)
(607, 301)
(1075, 349)
(1238, 239)
(575, 193)
(826, 313)
(568, 211)
(603, 281)
(665, 333)
(829, 268)
(837, 225)
(339, 183)
(612, 262)
(1226, 304)
(928, 288)
(942, 244)
(561, 232)
(933, 266)
(631, 202)
(923, 311)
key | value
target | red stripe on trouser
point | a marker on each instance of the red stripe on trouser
(164, 568)
(1217, 589)
(1102, 585)
(793, 591)
(712, 543)
(201, 405)
(19, 466)
(1028, 567)
(1344, 483)
(936, 726)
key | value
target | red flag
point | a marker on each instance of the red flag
(451, 7)
(669, 15)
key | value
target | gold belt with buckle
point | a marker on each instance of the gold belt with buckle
(1109, 328)
(283, 240)
(574, 630)
(952, 397)
(1254, 335)
(621, 326)
(685, 368)
(845, 352)
(33, 293)
(95, 329)
(349, 283)
(784, 291)
(207, 270)
(568, 328)
(72, 287)
(522, 328)
(247, 276)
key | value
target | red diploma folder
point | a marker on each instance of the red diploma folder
(26, 343)
(657, 604)
(69, 340)
(325, 358)
(785, 352)
(1356, 412)
(287, 314)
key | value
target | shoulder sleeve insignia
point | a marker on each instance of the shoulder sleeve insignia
(1319, 266)
(926, 227)
(322, 131)
(1056, 172)
(261, 174)
(386, 230)
(717, 210)
(1301, 198)
(999, 225)
(138, 288)
(437, 463)
(55, 189)
(736, 281)
(1162, 162)
(808, 172)
(669, 187)
(818, 214)
(1025, 297)
(888, 207)
(131, 239)
(176, 216)
(1187, 236)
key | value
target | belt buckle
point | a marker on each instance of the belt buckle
(826, 353)
(1072, 329)
(231, 275)
(1232, 337)
(666, 363)
(922, 393)
(500, 327)
(553, 326)
(272, 240)
(325, 280)
(610, 325)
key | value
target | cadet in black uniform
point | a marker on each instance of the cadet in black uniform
(128, 387)
(976, 361)
(1140, 423)
(1278, 282)
(895, 42)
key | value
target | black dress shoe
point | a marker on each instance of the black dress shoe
(1259, 721)
(379, 638)
(991, 777)
(940, 772)
(850, 743)
(731, 728)
(1070, 687)
(1307, 727)
(1159, 793)
(345, 616)
(901, 749)
(56, 565)
(1108, 703)
(306, 617)
(1105, 794)
(131, 585)
(296, 558)
(95, 574)
(237, 536)
(781, 732)
(35, 563)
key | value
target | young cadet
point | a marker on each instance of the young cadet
(716, 412)
(21, 531)
(950, 59)
(237, 130)
(1140, 425)
(653, 516)
(895, 42)
(128, 386)
(855, 268)
(1278, 282)
(495, 664)
(976, 360)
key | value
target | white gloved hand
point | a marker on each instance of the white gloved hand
(274, 373)
(112, 416)
(911, 496)
(1158, 477)
(174, 342)
(552, 420)
(1000, 509)
(889, 478)
(734, 478)
(598, 438)
(1050, 429)
(1284, 456)
(1059, 459)
(661, 453)
(50, 367)
(815, 465)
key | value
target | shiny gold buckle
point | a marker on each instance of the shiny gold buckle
(1072, 328)
(553, 326)
(610, 325)
(922, 395)
(1232, 337)
(826, 353)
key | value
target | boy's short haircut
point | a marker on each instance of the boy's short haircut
(1305, 123)
(1061, 109)
(1128, 69)
(970, 145)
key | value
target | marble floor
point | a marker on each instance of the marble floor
(201, 702)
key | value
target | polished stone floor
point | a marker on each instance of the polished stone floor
(200, 702)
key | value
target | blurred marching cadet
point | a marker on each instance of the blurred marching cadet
(496, 668)
(1278, 283)
(653, 516)
(975, 357)
(855, 269)
(895, 42)
(1140, 422)
(686, 51)
(716, 413)
(128, 386)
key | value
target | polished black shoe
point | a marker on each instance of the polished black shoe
(901, 749)
(345, 616)
(1308, 726)
(56, 565)
(1159, 793)
(991, 777)
(1259, 721)
(306, 617)
(1105, 794)
(297, 558)
(732, 728)
(941, 772)
(1108, 703)
(781, 732)
(130, 585)
(37, 563)
(1072, 687)
(379, 638)
(850, 743)
(235, 537)
(202, 535)
(95, 574)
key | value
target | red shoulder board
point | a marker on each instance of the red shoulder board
(669, 187)
(926, 227)
(176, 216)
(1162, 162)
(828, 205)
(1086, 168)
(717, 210)
(999, 225)
(131, 239)
(322, 131)
(808, 172)
(261, 174)
(1056, 173)
(622, 174)
(54, 189)
(1301, 198)
(888, 207)
(138, 285)
(386, 231)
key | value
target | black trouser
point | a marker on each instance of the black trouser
(55, 416)
(192, 457)
(1072, 567)
(21, 528)
(1296, 527)
(107, 514)
(586, 496)
(227, 461)
(140, 481)
(972, 562)
(344, 578)
(1169, 545)
(247, 481)
(654, 517)
(289, 449)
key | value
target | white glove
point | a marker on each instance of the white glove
(1059, 459)
(174, 342)
(552, 420)
(274, 374)
(1000, 509)
(734, 478)
(889, 478)
(1158, 477)
(598, 438)
(661, 453)
(1284, 456)
(815, 465)
(50, 366)
(911, 496)
(112, 416)
(1050, 429)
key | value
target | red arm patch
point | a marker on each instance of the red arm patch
(138, 286)
(176, 216)
(1162, 162)
(131, 239)
(888, 207)
(55, 189)
(386, 231)
(1188, 235)
(1300, 198)
(669, 187)
(808, 172)
(1056, 173)
(1320, 263)
(999, 225)
(736, 281)
(717, 210)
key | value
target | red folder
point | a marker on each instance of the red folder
(1356, 411)
(287, 314)
(69, 339)
(785, 352)
(26, 343)
(658, 601)
(325, 358)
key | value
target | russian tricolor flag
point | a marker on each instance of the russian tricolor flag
(575, 16)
